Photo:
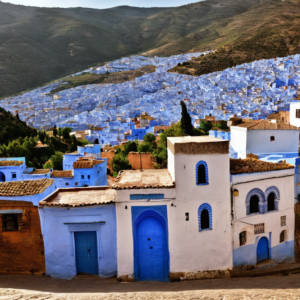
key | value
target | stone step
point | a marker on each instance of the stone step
(269, 263)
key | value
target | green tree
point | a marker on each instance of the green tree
(35, 162)
(66, 132)
(130, 147)
(120, 162)
(186, 121)
(149, 138)
(145, 147)
(206, 126)
(57, 160)
(54, 131)
(48, 165)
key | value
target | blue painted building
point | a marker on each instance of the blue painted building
(12, 168)
(86, 172)
(79, 230)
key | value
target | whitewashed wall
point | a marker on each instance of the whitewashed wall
(244, 183)
(293, 120)
(238, 140)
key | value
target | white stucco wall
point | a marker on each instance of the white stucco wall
(258, 141)
(190, 250)
(238, 141)
(293, 120)
(125, 246)
(244, 183)
(59, 242)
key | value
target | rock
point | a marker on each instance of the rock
(190, 275)
(225, 274)
(126, 278)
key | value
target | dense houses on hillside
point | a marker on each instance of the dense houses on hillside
(251, 90)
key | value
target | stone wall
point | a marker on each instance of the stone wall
(22, 251)
(141, 160)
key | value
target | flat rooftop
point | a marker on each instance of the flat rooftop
(250, 165)
(78, 197)
(198, 145)
(143, 179)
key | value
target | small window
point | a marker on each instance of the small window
(10, 222)
(283, 220)
(272, 138)
(297, 113)
(76, 183)
(201, 173)
(14, 175)
(89, 176)
(243, 238)
(204, 219)
(271, 202)
(82, 176)
(254, 204)
(282, 236)
(67, 183)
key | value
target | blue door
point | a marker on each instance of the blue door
(86, 252)
(262, 249)
(151, 250)
(2, 177)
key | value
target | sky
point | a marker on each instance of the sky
(100, 3)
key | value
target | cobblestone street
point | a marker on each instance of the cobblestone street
(41, 287)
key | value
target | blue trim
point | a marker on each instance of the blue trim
(200, 209)
(146, 196)
(262, 200)
(201, 162)
(159, 212)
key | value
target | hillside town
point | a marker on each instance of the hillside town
(230, 191)
(252, 90)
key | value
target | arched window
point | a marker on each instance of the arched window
(201, 173)
(254, 200)
(271, 202)
(282, 237)
(205, 217)
(243, 238)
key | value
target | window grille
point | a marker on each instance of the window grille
(10, 222)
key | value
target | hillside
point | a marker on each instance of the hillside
(39, 45)
(12, 127)
(266, 31)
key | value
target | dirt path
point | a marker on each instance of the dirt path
(18, 287)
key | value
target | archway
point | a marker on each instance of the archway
(262, 249)
(151, 249)
(2, 177)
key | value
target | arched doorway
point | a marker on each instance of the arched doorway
(151, 249)
(2, 177)
(271, 202)
(262, 249)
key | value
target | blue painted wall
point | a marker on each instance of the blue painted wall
(283, 252)
(59, 247)
(244, 255)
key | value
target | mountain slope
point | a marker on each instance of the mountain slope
(38, 45)
(266, 31)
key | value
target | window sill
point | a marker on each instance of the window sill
(200, 230)
(202, 183)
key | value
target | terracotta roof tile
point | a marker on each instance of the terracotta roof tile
(39, 171)
(68, 173)
(85, 164)
(250, 165)
(24, 188)
(82, 197)
(11, 163)
(265, 125)
(143, 179)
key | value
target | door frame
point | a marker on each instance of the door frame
(138, 214)
(87, 226)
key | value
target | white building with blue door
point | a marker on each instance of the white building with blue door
(263, 211)
(79, 231)
(176, 220)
